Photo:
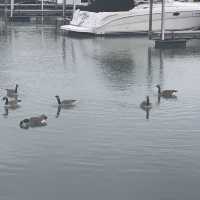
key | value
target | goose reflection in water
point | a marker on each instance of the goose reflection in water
(172, 98)
(147, 112)
(65, 108)
(7, 110)
(65, 104)
(10, 104)
(5, 114)
(58, 111)
(146, 105)
(59, 108)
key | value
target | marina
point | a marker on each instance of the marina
(97, 117)
(28, 10)
(38, 9)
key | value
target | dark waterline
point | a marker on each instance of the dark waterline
(104, 147)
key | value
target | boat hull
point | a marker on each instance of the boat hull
(137, 21)
(140, 24)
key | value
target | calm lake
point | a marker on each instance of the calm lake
(104, 148)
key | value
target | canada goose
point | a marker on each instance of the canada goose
(146, 105)
(34, 122)
(65, 103)
(12, 92)
(166, 93)
(11, 103)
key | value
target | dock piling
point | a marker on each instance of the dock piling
(74, 6)
(150, 19)
(64, 8)
(163, 21)
(6, 12)
(12, 2)
(42, 10)
(170, 42)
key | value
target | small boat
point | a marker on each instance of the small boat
(178, 16)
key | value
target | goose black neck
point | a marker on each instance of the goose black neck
(159, 90)
(148, 101)
(16, 88)
(58, 100)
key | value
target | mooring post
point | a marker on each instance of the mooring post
(64, 8)
(170, 42)
(12, 2)
(163, 21)
(42, 7)
(74, 6)
(6, 11)
(150, 19)
(42, 10)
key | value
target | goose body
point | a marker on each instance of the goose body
(11, 103)
(166, 93)
(34, 122)
(65, 103)
(146, 105)
(12, 92)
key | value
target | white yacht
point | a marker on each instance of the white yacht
(178, 16)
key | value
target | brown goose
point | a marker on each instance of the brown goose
(166, 93)
(12, 92)
(65, 103)
(34, 122)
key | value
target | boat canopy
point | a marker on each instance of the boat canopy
(109, 5)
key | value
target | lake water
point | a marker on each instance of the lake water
(104, 147)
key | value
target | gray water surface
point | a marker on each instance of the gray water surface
(104, 147)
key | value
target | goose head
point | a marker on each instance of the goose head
(24, 123)
(158, 86)
(159, 89)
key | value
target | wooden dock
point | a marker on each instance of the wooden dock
(177, 35)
